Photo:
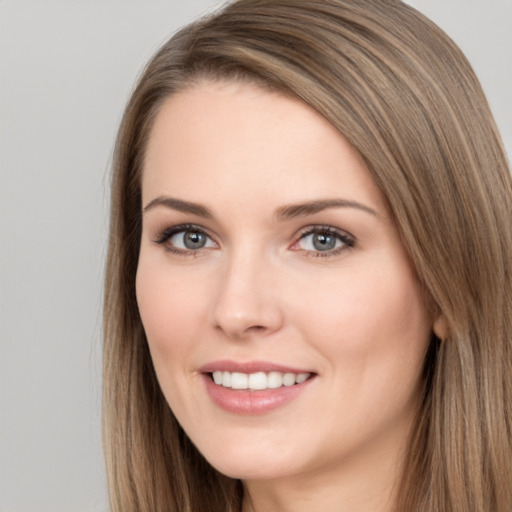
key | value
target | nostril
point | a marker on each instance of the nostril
(240, 315)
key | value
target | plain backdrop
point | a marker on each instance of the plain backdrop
(66, 70)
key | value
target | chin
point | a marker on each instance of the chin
(245, 470)
(246, 464)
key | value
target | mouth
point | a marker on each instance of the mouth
(255, 387)
(257, 381)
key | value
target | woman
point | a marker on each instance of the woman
(308, 300)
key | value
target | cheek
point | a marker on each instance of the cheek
(169, 306)
(372, 319)
(373, 331)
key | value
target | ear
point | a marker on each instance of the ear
(440, 327)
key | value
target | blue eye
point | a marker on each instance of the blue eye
(189, 240)
(185, 238)
(325, 240)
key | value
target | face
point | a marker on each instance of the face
(285, 323)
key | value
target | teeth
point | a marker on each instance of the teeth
(217, 378)
(239, 380)
(301, 377)
(275, 380)
(259, 380)
(226, 379)
(289, 379)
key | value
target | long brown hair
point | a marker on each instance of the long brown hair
(405, 97)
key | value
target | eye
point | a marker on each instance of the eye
(183, 239)
(189, 240)
(323, 241)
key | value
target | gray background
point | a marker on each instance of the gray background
(66, 69)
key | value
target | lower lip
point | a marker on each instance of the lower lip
(242, 401)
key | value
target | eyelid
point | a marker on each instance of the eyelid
(346, 238)
(166, 234)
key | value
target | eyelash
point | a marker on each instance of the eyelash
(168, 233)
(348, 241)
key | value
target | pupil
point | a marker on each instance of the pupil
(323, 242)
(194, 240)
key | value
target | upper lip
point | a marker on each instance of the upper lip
(249, 367)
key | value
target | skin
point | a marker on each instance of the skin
(260, 290)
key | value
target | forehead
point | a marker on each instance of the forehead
(244, 140)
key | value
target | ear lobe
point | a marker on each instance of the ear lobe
(440, 327)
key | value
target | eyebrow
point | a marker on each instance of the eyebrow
(179, 205)
(283, 213)
(311, 207)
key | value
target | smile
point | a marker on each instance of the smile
(255, 387)
(257, 381)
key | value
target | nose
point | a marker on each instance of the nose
(246, 304)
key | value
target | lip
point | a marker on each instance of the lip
(246, 402)
(250, 367)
